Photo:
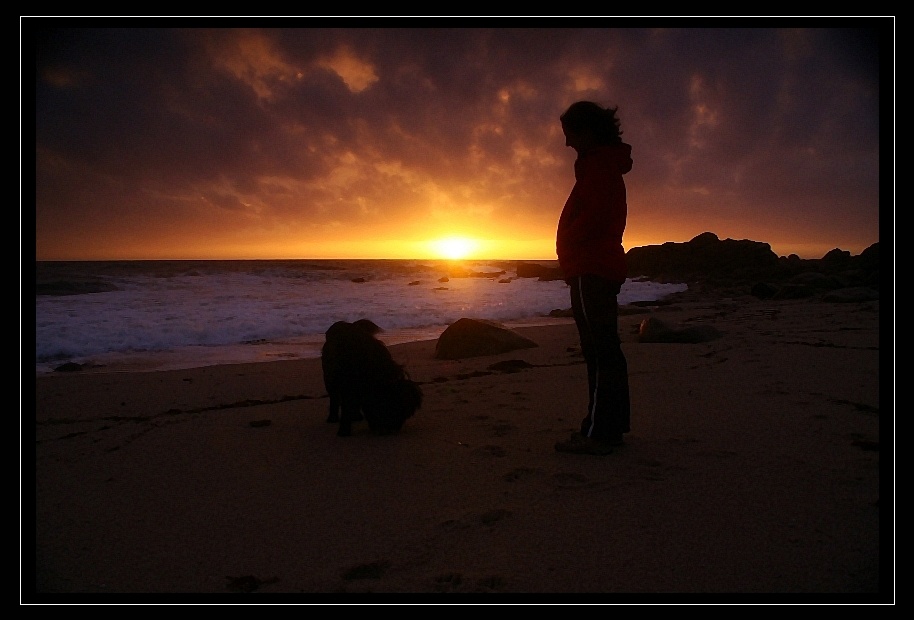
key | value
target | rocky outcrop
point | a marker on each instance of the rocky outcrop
(477, 337)
(541, 272)
(705, 256)
(706, 259)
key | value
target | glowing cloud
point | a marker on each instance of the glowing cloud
(356, 73)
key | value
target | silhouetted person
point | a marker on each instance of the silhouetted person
(589, 248)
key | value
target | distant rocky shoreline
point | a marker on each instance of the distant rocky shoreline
(707, 262)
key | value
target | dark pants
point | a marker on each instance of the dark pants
(596, 313)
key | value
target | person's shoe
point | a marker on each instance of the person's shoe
(579, 444)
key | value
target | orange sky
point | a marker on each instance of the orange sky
(379, 143)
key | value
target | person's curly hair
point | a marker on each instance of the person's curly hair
(587, 116)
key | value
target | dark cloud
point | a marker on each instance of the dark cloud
(744, 132)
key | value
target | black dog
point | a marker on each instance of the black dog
(364, 381)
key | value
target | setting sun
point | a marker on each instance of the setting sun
(454, 248)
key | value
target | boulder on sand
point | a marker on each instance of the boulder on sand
(478, 337)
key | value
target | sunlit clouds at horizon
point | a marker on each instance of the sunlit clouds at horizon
(442, 143)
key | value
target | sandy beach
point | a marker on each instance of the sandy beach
(752, 475)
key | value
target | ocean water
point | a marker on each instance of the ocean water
(156, 315)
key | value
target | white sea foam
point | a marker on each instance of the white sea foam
(188, 314)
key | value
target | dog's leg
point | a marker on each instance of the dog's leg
(349, 410)
(334, 414)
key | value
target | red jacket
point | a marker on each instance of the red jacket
(589, 236)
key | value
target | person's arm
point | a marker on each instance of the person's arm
(598, 202)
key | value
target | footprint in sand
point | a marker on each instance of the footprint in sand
(653, 470)
(371, 570)
(452, 582)
(487, 518)
(516, 474)
(493, 450)
(495, 583)
(448, 581)
(248, 583)
(494, 516)
(502, 429)
(570, 480)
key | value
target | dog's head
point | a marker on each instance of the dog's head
(343, 329)
(387, 409)
(408, 393)
(369, 327)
